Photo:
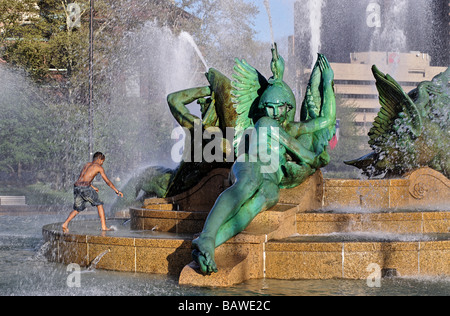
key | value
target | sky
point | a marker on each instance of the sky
(282, 18)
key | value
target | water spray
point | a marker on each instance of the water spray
(190, 40)
(269, 14)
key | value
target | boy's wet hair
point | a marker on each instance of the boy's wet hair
(98, 155)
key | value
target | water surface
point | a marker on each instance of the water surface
(24, 271)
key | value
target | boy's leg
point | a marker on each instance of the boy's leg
(101, 213)
(66, 223)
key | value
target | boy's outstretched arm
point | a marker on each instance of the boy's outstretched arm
(109, 183)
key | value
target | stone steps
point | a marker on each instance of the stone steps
(294, 240)
(351, 245)
(393, 221)
(357, 257)
(324, 245)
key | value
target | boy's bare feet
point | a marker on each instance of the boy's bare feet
(65, 229)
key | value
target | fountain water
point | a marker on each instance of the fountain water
(269, 14)
(97, 259)
(190, 39)
(391, 36)
(167, 242)
(366, 26)
(315, 22)
(283, 242)
(270, 247)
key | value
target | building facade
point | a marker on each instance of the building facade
(355, 83)
(410, 40)
(344, 27)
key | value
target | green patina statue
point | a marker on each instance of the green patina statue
(220, 110)
(411, 130)
(281, 153)
(217, 112)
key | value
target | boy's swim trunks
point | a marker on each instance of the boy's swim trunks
(83, 195)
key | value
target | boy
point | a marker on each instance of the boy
(84, 191)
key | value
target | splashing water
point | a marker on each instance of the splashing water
(188, 37)
(95, 262)
(269, 14)
(315, 23)
(392, 37)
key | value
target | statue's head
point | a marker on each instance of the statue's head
(278, 100)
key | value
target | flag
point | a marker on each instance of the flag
(334, 141)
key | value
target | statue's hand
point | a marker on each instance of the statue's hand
(327, 71)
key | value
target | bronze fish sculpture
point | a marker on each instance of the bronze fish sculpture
(411, 130)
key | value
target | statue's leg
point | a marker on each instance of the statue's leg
(265, 198)
(248, 181)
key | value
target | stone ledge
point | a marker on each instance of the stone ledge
(350, 260)
(392, 222)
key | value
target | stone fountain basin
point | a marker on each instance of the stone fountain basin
(323, 229)
(345, 254)
(388, 221)
(349, 255)
(130, 251)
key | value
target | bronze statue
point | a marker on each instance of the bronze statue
(298, 147)
(217, 112)
(411, 130)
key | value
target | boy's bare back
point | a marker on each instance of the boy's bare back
(89, 172)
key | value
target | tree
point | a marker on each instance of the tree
(19, 30)
(226, 30)
(24, 133)
(48, 133)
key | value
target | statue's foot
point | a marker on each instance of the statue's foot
(203, 254)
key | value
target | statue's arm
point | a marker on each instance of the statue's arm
(327, 116)
(296, 129)
(177, 103)
(292, 145)
(295, 148)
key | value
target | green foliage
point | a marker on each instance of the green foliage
(226, 31)
(43, 109)
(37, 39)
(37, 135)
